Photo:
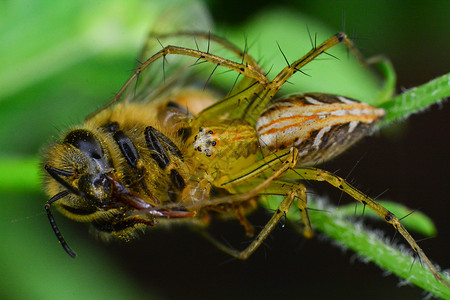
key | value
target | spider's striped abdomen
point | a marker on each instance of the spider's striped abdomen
(321, 126)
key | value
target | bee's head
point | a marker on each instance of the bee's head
(79, 175)
(80, 165)
(85, 185)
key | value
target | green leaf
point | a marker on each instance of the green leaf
(417, 99)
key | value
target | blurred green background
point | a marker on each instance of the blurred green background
(59, 61)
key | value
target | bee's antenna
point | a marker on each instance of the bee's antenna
(53, 223)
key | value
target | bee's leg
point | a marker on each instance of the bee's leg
(321, 175)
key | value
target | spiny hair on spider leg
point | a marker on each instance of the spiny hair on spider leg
(210, 76)
(243, 53)
(284, 56)
(234, 84)
(329, 54)
(313, 44)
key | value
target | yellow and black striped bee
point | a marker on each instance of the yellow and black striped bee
(163, 154)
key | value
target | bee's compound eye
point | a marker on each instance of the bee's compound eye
(86, 142)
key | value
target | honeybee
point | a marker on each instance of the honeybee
(183, 154)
